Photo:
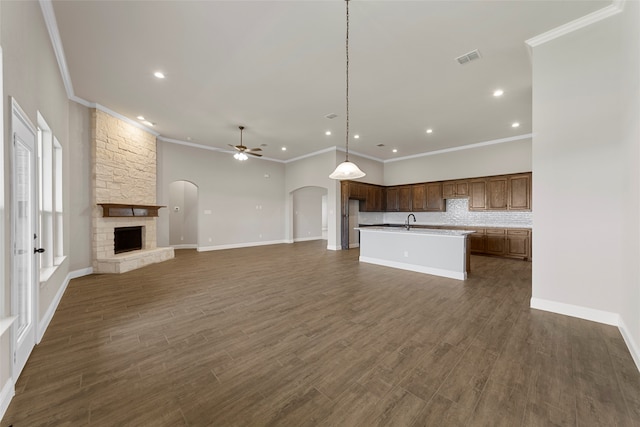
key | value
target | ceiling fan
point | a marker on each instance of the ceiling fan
(243, 150)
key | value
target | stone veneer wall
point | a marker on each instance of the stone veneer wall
(124, 171)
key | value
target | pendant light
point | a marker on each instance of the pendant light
(347, 169)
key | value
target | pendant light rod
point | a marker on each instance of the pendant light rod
(347, 83)
(346, 169)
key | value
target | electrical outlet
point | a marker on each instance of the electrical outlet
(406, 254)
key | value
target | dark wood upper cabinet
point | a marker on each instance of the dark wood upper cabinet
(501, 193)
(404, 198)
(519, 190)
(434, 201)
(455, 189)
(419, 197)
(477, 195)
(373, 201)
(497, 196)
(391, 198)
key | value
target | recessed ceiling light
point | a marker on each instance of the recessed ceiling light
(159, 74)
(140, 117)
(284, 148)
(356, 136)
(429, 130)
(395, 150)
(498, 92)
(328, 133)
(188, 138)
(515, 125)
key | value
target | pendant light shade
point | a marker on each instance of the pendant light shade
(346, 169)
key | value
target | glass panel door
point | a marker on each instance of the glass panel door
(24, 276)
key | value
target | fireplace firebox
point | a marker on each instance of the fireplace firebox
(127, 239)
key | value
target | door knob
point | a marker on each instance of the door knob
(38, 251)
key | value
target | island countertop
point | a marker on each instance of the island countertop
(403, 230)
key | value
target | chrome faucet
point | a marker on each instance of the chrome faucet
(407, 226)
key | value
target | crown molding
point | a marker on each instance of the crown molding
(52, 26)
(124, 119)
(464, 147)
(613, 9)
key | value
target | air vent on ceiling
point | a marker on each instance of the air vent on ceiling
(468, 57)
(331, 116)
(380, 145)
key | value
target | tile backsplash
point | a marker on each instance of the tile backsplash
(457, 214)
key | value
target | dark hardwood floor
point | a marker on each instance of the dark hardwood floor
(295, 335)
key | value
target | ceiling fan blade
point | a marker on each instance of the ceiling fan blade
(254, 149)
(253, 154)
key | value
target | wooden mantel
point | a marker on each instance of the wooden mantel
(120, 210)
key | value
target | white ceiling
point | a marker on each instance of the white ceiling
(278, 68)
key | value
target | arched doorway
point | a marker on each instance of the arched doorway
(183, 214)
(309, 213)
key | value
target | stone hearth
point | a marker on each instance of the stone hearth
(124, 171)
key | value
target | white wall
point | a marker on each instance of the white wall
(496, 159)
(314, 171)
(307, 213)
(183, 222)
(245, 199)
(586, 122)
(77, 194)
(32, 77)
(375, 170)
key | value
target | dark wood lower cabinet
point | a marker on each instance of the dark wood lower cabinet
(503, 242)
(496, 244)
(519, 244)
(478, 242)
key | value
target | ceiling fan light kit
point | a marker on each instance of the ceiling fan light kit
(242, 150)
(347, 169)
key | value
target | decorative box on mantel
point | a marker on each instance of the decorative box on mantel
(125, 210)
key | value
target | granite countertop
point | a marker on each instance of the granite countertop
(413, 230)
(456, 226)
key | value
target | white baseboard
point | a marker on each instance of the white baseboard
(6, 394)
(605, 317)
(354, 245)
(239, 245)
(586, 313)
(189, 246)
(334, 248)
(43, 324)
(631, 344)
(306, 239)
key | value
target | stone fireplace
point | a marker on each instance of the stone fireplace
(124, 173)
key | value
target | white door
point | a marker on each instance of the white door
(24, 276)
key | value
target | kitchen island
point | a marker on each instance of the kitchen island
(443, 253)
